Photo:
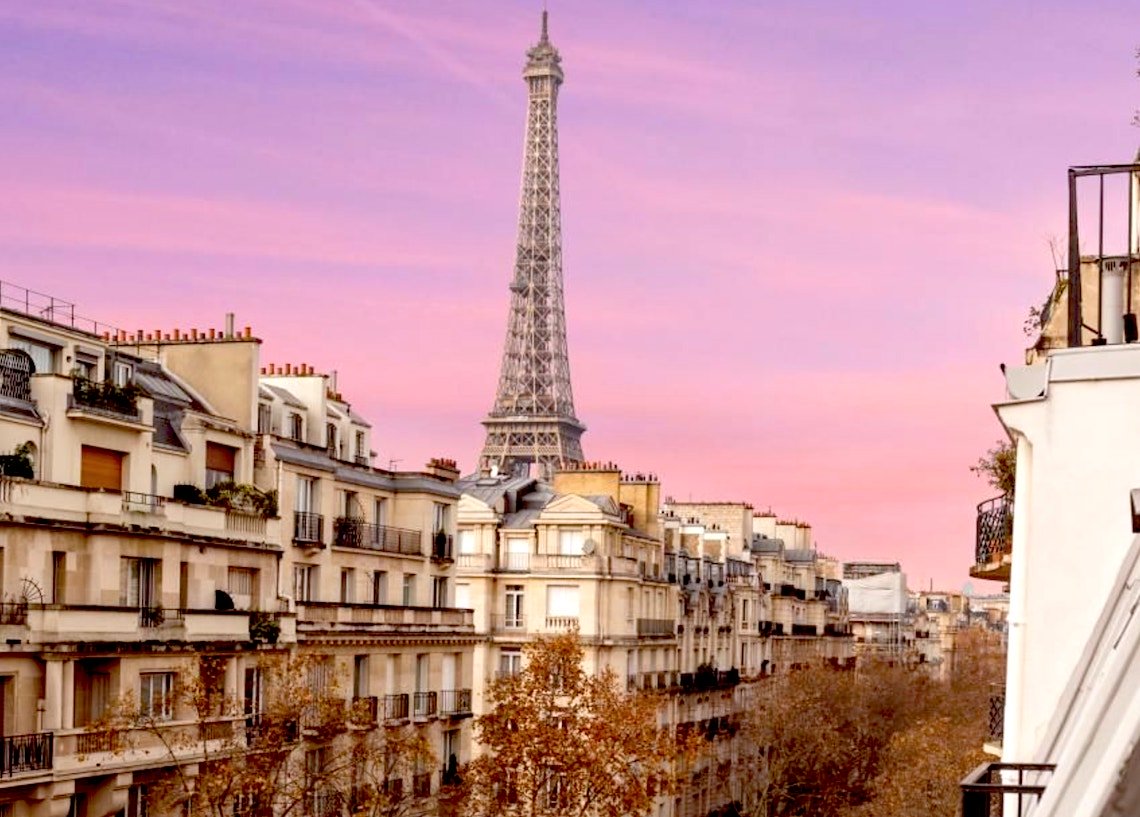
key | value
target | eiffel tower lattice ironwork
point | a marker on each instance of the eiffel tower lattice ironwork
(533, 420)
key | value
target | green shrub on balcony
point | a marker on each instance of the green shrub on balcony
(107, 396)
(264, 627)
(18, 463)
(233, 496)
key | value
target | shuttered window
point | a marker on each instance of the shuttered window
(101, 468)
(220, 461)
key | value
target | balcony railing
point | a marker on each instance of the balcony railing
(656, 627)
(25, 753)
(105, 398)
(455, 702)
(441, 546)
(994, 789)
(89, 743)
(515, 562)
(994, 530)
(804, 629)
(561, 624)
(997, 714)
(14, 612)
(364, 710)
(509, 623)
(134, 502)
(424, 704)
(308, 528)
(350, 532)
(421, 784)
(395, 707)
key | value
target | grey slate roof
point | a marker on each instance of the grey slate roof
(285, 395)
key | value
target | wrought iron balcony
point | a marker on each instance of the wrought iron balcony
(656, 627)
(994, 538)
(14, 612)
(395, 707)
(441, 547)
(421, 784)
(106, 398)
(424, 704)
(25, 753)
(308, 528)
(993, 789)
(455, 702)
(134, 502)
(351, 532)
(363, 711)
(997, 714)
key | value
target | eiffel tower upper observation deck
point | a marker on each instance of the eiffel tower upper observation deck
(533, 420)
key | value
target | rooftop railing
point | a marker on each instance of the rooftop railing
(48, 308)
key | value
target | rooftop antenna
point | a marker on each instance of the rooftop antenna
(393, 463)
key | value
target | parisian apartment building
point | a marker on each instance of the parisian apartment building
(170, 502)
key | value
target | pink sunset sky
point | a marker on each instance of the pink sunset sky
(799, 237)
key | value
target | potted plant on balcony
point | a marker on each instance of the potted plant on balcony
(264, 628)
(18, 463)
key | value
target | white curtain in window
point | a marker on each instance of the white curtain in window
(562, 600)
(570, 542)
(466, 541)
(463, 596)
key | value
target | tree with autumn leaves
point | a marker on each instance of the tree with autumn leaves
(558, 741)
(303, 750)
(884, 739)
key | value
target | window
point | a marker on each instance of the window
(570, 542)
(304, 582)
(101, 468)
(264, 418)
(423, 667)
(86, 366)
(630, 604)
(463, 595)
(347, 582)
(466, 541)
(330, 441)
(220, 460)
(381, 512)
(379, 587)
(156, 695)
(510, 662)
(43, 354)
(350, 506)
(58, 576)
(562, 601)
(439, 517)
(296, 427)
(439, 591)
(306, 494)
(242, 585)
(253, 700)
(361, 449)
(409, 597)
(360, 676)
(138, 801)
(121, 373)
(139, 580)
(513, 620)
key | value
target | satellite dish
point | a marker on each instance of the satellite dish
(589, 546)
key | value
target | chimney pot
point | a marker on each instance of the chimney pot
(211, 333)
(288, 368)
(248, 332)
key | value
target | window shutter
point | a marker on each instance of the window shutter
(463, 596)
(101, 468)
(220, 457)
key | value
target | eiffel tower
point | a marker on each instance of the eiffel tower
(533, 422)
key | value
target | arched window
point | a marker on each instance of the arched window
(16, 370)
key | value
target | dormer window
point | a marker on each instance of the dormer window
(330, 440)
(264, 418)
(121, 373)
(296, 427)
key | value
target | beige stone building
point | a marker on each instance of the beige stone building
(121, 573)
(669, 596)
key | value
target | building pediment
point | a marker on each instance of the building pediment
(572, 507)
